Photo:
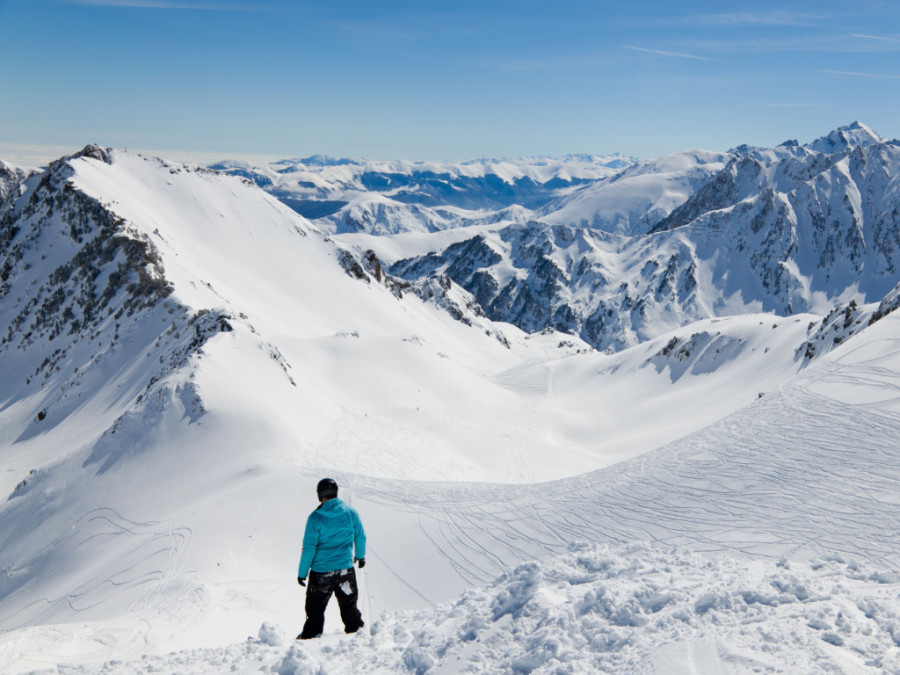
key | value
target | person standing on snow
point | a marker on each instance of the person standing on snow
(333, 540)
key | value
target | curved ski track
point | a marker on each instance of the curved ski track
(798, 474)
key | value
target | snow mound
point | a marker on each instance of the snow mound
(628, 609)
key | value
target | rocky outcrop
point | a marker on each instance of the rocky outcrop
(84, 294)
(788, 230)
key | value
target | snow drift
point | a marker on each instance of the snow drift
(635, 609)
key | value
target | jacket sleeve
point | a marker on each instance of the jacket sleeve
(359, 537)
(310, 543)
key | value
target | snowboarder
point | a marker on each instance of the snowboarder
(334, 539)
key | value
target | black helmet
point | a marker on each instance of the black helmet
(327, 489)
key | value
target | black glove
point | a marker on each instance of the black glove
(360, 562)
(301, 581)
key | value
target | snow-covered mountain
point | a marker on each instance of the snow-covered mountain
(793, 229)
(12, 180)
(634, 200)
(182, 357)
(350, 195)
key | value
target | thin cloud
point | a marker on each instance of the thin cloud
(874, 76)
(542, 65)
(34, 156)
(678, 55)
(791, 105)
(164, 4)
(372, 29)
(875, 37)
(826, 44)
(773, 18)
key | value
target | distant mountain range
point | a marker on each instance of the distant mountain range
(618, 251)
(385, 197)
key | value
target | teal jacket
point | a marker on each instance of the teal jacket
(332, 532)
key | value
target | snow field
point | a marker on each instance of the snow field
(174, 522)
(595, 608)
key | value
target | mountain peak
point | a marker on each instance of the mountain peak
(849, 137)
(90, 151)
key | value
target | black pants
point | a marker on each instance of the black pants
(319, 588)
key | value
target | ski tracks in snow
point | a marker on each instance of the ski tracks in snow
(798, 474)
(126, 568)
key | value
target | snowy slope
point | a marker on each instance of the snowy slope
(768, 487)
(126, 427)
(630, 609)
(184, 357)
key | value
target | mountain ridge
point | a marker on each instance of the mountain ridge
(785, 230)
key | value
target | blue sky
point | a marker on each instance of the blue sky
(443, 80)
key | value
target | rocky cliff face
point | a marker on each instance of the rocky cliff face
(81, 293)
(609, 291)
(788, 230)
(805, 222)
(12, 184)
